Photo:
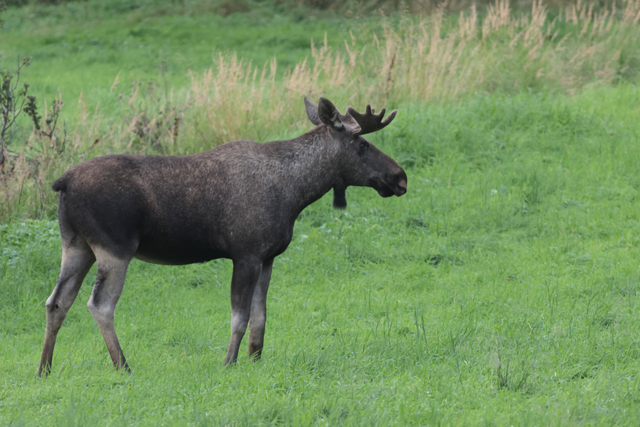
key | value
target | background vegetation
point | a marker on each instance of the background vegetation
(434, 58)
(503, 289)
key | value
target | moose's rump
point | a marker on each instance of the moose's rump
(130, 204)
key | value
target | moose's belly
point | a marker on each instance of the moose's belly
(177, 259)
(174, 251)
(188, 242)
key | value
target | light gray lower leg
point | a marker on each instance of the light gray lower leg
(258, 318)
(76, 262)
(246, 273)
(102, 303)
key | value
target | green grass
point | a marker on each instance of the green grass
(78, 51)
(503, 289)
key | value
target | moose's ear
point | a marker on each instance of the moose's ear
(312, 112)
(329, 114)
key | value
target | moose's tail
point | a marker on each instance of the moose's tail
(60, 184)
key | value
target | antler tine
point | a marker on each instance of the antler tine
(369, 121)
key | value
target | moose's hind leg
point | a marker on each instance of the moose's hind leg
(77, 259)
(258, 319)
(246, 273)
(102, 303)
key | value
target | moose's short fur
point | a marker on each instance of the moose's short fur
(239, 201)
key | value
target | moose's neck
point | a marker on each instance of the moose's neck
(313, 166)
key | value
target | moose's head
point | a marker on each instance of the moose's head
(361, 163)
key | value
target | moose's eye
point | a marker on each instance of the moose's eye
(363, 146)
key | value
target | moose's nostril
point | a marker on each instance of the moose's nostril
(402, 187)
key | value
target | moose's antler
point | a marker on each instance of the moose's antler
(354, 122)
(369, 121)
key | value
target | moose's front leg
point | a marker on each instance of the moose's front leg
(259, 311)
(246, 273)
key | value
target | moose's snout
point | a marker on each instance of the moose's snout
(394, 183)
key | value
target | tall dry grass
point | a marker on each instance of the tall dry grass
(439, 58)
(433, 60)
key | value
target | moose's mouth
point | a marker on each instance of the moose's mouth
(388, 188)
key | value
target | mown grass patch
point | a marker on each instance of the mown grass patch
(80, 48)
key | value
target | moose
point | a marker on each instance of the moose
(239, 201)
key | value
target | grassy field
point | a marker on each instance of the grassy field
(502, 289)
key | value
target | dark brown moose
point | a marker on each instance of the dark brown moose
(239, 201)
